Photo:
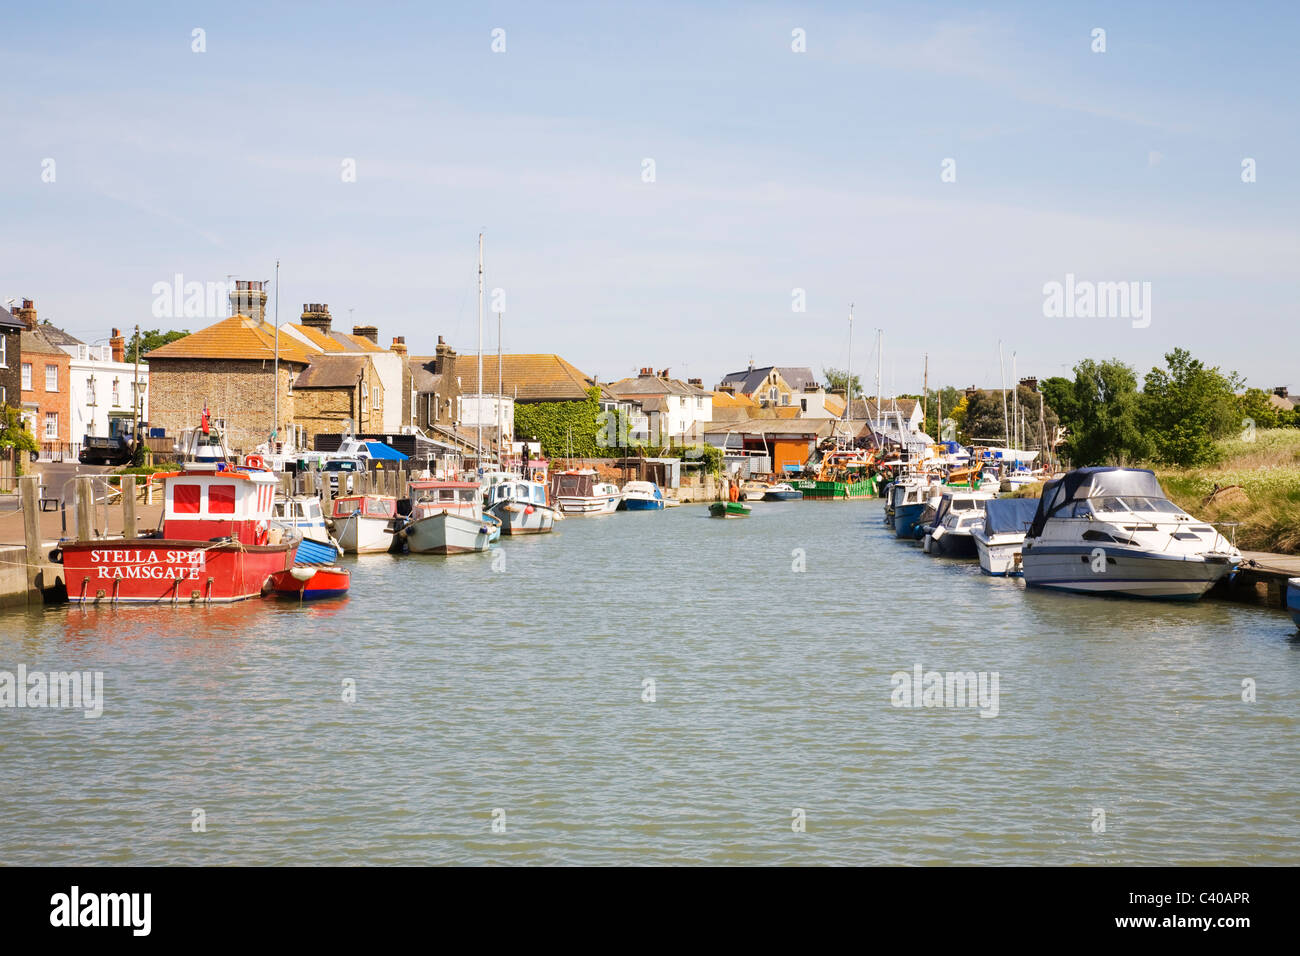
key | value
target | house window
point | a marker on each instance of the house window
(803, 404)
(27, 376)
(52, 425)
(785, 398)
(4, 351)
(51, 378)
(378, 397)
(365, 394)
(90, 391)
(117, 395)
(771, 393)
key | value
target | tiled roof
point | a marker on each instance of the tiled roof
(654, 385)
(331, 371)
(57, 336)
(9, 321)
(361, 342)
(834, 405)
(237, 337)
(34, 343)
(723, 400)
(772, 426)
(317, 338)
(538, 378)
(863, 409)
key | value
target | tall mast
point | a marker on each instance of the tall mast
(500, 316)
(275, 425)
(1015, 399)
(848, 377)
(1002, 371)
(880, 369)
(925, 392)
(478, 446)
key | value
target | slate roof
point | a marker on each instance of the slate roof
(237, 337)
(56, 336)
(332, 371)
(864, 409)
(747, 380)
(9, 321)
(654, 385)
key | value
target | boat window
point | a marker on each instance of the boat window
(539, 494)
(1097, 536)
(1082, 509)
(346, 506)
(313, 509)
(1187, 536)
(221, 499)
(185, 499)
(376, 506)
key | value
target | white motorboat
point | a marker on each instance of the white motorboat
(579, 494)
(363, 524)
(1114, 531)
(955, 520)
(642, 496)
(521, 506)
(447, 518)
(1002, 534)
(754, 490)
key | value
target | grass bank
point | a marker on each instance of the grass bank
(1264, 478)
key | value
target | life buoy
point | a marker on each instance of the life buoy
(254, 461)
(260, 533)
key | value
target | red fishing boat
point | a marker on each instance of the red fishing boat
(214, 545)
(309, 582)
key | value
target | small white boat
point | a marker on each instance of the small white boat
(1000, 538)
(579, 494)
(754, 490)
(960, 513)
(642, 496)
(447, 518)
(363, 524)
(1113, 531)
(521, 506)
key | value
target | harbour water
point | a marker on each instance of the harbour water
(518, 682)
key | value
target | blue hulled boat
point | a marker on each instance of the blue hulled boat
(1293, 600)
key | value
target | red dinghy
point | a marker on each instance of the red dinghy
(214, 545)
(310, 582)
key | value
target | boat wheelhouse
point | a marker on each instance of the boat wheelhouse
(363, 524)
(951, 533)
(1113, 531)
(579, 493)
(521, 506)
(447, 518)
(215, 544)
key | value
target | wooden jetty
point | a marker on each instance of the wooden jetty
(1261, 579)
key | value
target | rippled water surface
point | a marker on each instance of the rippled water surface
(514, 681)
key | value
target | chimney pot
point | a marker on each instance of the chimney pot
(370, 332)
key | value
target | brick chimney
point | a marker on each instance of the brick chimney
(697, 382)
(26, 314)
(443, 355)
(1030, 383)
(1281, 391)
(316, 315)
(646, 373)
(370, 332)
(248, 298)
(118, 344)
(399, 345)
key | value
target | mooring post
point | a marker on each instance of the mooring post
(85, 498)
(128, 506)
(29, 489)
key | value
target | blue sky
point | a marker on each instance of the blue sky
(774, 170)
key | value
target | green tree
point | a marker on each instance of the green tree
(1186, 407)
(14, 435)
(1254, 405)
(835, 380)
(1058, 392)
(149, 340)
(1106, 406)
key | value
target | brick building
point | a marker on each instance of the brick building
(228, 367)
(10, 359)
(335, 390)
(43, 373)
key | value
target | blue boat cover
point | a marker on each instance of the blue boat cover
(315, 552)
(381, 452)
(1009, 515)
